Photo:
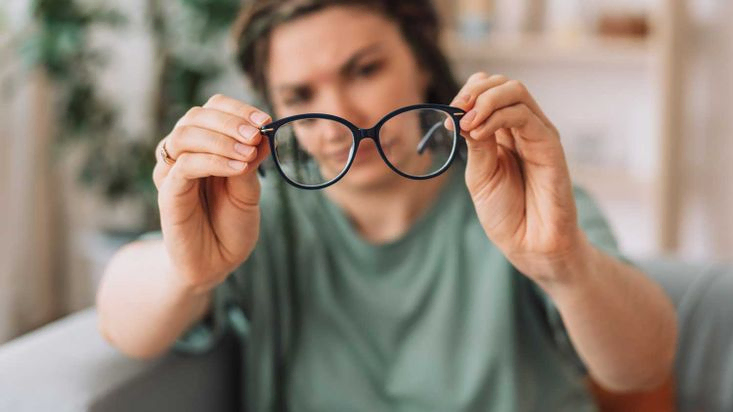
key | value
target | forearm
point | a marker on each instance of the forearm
(621, 323)
(142, 310)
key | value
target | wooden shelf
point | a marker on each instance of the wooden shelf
(536, 48)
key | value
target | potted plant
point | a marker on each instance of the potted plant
(115, 165)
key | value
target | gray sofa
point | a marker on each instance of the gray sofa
(66, 366)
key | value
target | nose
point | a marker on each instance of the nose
(341, 104)
(334, 132)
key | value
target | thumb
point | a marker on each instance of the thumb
(482, 160)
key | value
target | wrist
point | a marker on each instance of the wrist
(562, 266)
(570, 270)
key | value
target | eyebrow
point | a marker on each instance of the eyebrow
(343, 70)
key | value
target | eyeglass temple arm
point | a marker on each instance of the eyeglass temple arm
(424, 141)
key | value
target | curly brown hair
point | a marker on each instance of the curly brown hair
(417, 19)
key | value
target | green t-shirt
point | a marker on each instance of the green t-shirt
(438, 320)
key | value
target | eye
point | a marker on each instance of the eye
(368, 69)
(299, 97)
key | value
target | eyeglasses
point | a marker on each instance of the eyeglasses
(315, 150)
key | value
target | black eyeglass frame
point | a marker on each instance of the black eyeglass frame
(270, 130)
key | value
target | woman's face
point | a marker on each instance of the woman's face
(353, 63)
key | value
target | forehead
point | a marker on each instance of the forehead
(318, 43)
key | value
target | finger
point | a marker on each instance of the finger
(490, 101)
(504, 138)
(244, 130)
(481, 163)
(241, 185)
(159, 173)
(509, 93)
(476, 84)
(518, 116)
(212, 144)
(193, 139)
(237, 108)
(191, 166)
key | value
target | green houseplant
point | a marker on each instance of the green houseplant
(116, 164)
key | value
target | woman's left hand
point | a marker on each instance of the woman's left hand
(518, 176)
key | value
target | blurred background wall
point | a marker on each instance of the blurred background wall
(641, 92)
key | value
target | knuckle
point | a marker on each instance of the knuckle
(518, 86)
(193, 113)
(232, 123)
(175, 140)
(157, 175)
(186, 166)
(177, 171)
(183, 133)
(184, 161)
(221, 144)
(216, 98)
(498, 78)
(485, 100)
(215, 162)
(478, 76)
(472, 90)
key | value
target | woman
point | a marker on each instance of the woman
(493, 286)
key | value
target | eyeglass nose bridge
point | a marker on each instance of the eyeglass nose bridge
(362, 134)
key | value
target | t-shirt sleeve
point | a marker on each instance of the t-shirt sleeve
(595, 226)
(204, 335)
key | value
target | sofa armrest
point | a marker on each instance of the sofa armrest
(703, 297)
(67, 366)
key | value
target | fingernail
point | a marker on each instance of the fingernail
(468, 119)
(259, 118)
(248, 132)
(244, 150)
(236, 165)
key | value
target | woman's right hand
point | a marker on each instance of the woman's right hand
(209, 197)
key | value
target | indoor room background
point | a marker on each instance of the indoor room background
(641, 92)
